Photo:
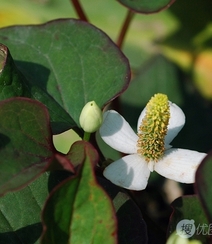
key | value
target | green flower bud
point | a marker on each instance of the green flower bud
(90, 117)
(176, 239)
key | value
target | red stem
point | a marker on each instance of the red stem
(124, 28)
(79, 10)
(116, 103)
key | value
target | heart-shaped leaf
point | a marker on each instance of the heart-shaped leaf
(145, 6)
(26, 146)
(72, 60)
(78, 210)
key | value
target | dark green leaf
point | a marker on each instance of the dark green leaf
(78, 211)
(26, 146)
(146, 6)
(131, 225)
(72, 60)
(189, 208)
(13, 84)
(20, 220)
(203, 185)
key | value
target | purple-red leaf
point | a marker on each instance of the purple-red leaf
(26, 146)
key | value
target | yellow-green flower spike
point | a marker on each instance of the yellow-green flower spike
(153, 128)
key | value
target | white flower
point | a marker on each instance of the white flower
(133, 171)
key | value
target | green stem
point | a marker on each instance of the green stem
(86, 136)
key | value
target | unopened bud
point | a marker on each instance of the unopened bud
(175, 238)
(90, 117)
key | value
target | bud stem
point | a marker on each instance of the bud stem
(86, 136)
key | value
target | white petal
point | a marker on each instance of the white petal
(140, 118)
(130, 172)
(117, 133)
(151, 165)
(179, 164)
(176, 122)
